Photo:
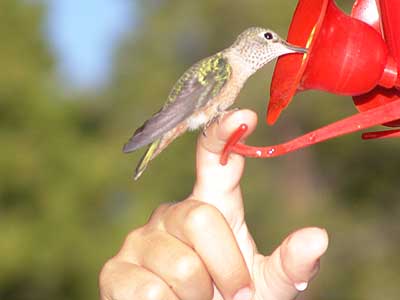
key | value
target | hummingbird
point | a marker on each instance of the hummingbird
(206, 90)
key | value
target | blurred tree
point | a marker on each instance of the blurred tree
(54, 169)
(66, 197)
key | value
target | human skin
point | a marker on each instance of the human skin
(200, 248)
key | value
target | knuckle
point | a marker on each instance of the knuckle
(187, 267)
(135, 236)
(118, 281)
(106, 271)
(201, 216)
(106, 279)
(159, 212)
(152, 290)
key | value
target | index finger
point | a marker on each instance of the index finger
(212, 179)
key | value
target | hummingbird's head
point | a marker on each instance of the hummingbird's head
(258, 46)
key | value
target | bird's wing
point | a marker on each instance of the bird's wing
(197, 86)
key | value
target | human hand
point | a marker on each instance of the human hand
(200, 248)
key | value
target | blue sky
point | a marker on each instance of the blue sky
(84, 34)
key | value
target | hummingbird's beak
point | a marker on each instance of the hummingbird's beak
(294, 48)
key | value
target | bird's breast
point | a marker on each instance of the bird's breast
(215, 106)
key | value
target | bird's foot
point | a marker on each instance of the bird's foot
(209, 123)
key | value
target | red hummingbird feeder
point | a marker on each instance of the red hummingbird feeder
(357, 55)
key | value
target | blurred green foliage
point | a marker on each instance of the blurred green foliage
(66, 195)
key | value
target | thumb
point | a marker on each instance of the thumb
(291, 266)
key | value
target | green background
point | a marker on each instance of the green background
(66, 195)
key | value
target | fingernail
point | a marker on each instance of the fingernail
(301, 287)
(244, 294)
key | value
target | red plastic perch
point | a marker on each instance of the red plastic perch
(363, 120)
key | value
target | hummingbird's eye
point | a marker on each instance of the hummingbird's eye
(268, 35)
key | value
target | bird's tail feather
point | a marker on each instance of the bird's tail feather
(146, 158)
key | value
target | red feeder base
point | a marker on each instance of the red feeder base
(347, 56)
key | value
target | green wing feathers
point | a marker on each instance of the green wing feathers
(196, 87)
(215, 69)
(212, 72)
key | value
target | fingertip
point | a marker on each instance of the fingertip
(218, 134)
(246, 293)
(301, 252)
(233, 120)
(308, 241)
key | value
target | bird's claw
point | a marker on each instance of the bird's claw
(217, 118)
